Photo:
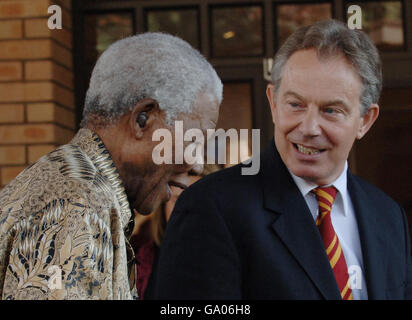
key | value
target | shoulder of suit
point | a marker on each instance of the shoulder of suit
(227, 177)
(374, 193)
(228, 183)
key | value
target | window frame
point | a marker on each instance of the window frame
(296, 2)
(147, 9)
(396, 64)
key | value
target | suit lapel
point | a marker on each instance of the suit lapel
(370, 237)
(294, 224)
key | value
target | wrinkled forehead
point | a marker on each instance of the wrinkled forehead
(330, 76)
(322, 60)
(204, 114)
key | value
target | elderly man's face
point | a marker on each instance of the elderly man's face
(316, 113)
(154, 186)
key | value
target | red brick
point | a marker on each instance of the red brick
(63, 136)
(31, 91)
(48, 70)
(38, 151)
(10, 71)
(66, 19)
(11, 92)
(12, 155)
(31, 133)
(38, 70)
(12, 9)
(62, 55)
(35, 49)
(40, 112)
(67, 4)
(63, 96)
(36, 91)
(24, 8)
(25, 49)
(63, 76)
(63, 36)
(36, 28)
(9, 173)
(11, 29)
(49, 112)
(12, 134)
(10, 113)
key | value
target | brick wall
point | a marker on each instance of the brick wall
(37, 110)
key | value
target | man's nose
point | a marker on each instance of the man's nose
(309, 125)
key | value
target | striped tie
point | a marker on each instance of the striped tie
(325, 197)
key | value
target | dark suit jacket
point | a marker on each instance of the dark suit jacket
(253, 237)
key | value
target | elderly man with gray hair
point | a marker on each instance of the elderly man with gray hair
(65, 221)
(304, 227)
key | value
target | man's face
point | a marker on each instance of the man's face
(317, 117)
(154, 186)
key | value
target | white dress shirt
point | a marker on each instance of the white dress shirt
(345, 225)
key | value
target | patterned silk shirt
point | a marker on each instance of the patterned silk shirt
(64, 227)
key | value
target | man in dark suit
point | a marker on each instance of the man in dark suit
(304, 227)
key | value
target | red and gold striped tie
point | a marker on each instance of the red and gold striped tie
(326, 197)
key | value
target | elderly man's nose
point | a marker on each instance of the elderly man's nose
(197, 168)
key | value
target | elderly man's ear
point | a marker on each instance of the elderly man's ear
(143, 116)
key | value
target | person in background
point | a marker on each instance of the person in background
(66, 220)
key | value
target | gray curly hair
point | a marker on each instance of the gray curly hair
(150, 65)
(332, 37)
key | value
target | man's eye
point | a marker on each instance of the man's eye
(294, 104)
(332, 110)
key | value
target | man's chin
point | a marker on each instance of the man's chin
(314, 177)
(307, 174)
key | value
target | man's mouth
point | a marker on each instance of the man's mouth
(307, 150)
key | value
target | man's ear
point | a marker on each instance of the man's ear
(143, 115)
(368, 120)
(270, 94)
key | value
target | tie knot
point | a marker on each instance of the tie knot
(326, 195)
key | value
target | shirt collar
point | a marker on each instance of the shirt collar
(305, 187)
(94, 147)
